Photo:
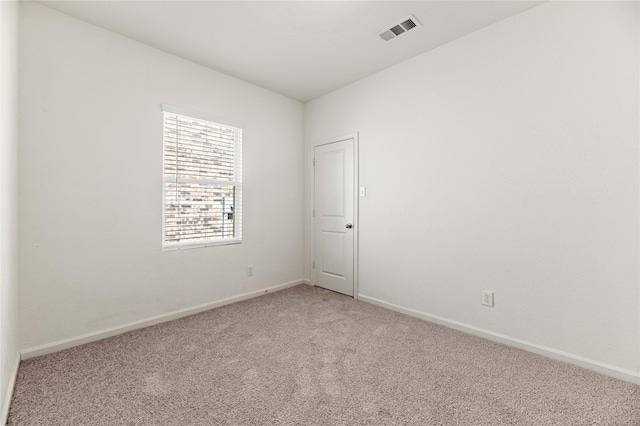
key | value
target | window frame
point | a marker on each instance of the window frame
(237, 182)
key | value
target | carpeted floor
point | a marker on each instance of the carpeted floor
(307, 356)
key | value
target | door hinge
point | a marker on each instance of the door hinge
(313, 264)
(314, 212)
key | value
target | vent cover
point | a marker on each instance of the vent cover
(408, 23)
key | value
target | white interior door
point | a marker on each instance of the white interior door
(333, 223)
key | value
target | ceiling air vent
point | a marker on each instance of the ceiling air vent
(408, 23)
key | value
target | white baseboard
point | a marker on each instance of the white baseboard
(113, 331)
(307, 282)
(600, 367)
(4, 414)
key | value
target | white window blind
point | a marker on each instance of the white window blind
(202, 190)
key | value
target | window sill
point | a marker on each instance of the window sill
(189, 246)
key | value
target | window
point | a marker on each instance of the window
(202, 188)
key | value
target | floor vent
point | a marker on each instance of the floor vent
(408, 23)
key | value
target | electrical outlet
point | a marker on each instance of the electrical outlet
(487, 298)
(363, 191)
(249, 270)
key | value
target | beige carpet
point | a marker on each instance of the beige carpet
(307, 356)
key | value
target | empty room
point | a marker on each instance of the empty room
(320, 212)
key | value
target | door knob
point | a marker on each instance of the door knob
(349, 226)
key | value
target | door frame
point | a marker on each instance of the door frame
(356, 191)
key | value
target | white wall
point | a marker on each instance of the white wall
(9, 355)
(507, 161)
(90, 182)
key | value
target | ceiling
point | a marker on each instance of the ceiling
(301, 49)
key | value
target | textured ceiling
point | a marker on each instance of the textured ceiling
(299, 49)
